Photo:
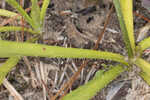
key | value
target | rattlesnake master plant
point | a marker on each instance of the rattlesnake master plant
(15, 50)
(125, 16)
(35, 22)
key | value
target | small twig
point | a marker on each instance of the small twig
(104, 29)
(142, 17)
(63, 95)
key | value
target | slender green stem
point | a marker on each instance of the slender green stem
(15, 28)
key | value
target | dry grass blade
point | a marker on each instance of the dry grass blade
(32, 75)
(91, 72)
(74, 77)
(43, 79)
(47, 89)
(12, 90)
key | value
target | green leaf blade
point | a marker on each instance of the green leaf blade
(87, 91)
(127, 11)
(14, 4)
(127, 33)
(7, 66)
(43, 10)
(144, 44)
(7, 13)
(144, 65)
(35, 15)
(146, 77)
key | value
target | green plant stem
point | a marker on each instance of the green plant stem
(15, 28)
(8, 49)
(7, 66)
(87, 91)
(10, 63)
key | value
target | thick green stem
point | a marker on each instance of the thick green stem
(8, 49)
